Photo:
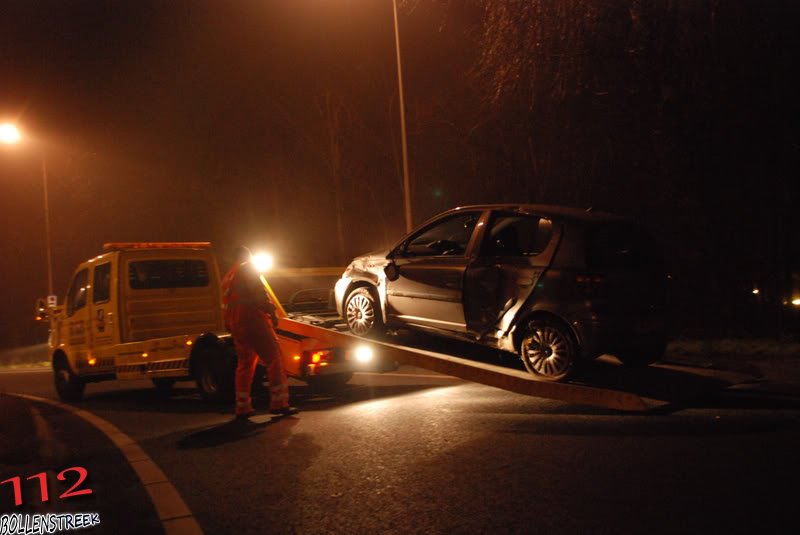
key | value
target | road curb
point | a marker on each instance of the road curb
(175, 516)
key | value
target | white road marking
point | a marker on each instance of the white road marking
(174, 514)
(26, 370)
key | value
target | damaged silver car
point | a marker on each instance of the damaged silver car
(558, 286)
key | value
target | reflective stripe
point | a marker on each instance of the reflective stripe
(282, 386)
(242, 403)
(243, 394)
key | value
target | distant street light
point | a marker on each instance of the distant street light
(406, 180)
(10, 135)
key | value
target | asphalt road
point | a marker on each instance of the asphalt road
(413, 452)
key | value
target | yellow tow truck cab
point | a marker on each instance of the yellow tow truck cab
(153, 311)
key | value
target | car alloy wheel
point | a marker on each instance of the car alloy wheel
(360, 314)
(547, 351)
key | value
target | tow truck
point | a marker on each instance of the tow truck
(152, 310)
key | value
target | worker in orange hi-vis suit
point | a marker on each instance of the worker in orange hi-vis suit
(251, 319)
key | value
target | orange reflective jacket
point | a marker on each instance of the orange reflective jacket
(243, 296)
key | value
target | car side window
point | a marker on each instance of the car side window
(76, 298)
(516, 235)
(101, 283)
(448, 237)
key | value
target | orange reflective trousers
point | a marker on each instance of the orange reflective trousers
(255, 337)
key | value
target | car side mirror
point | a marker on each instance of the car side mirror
(392, 271)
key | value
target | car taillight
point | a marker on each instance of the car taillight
(590, 285)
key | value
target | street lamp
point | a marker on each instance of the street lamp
(404, 143)
(10, 135)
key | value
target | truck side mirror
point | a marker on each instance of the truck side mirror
(41, 309)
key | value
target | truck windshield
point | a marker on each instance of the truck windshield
(156, 274)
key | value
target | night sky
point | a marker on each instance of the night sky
(233, 122)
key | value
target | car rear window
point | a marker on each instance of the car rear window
(157, 274)
(622, 245)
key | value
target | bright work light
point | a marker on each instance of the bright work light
(262, 261)
(364, 353)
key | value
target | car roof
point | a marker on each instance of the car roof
(550, 210)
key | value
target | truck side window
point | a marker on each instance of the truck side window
(102, 283)
(516, 235)
(76, 299)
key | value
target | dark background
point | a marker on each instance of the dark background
(275, 124)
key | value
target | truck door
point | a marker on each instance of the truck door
(103, 317)
(515, 250)
(431, 265)
(79, 335)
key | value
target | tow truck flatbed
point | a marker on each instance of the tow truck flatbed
(332, 328)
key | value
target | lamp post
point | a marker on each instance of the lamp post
(404, 143)
(10, 135)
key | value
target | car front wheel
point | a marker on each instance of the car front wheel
(362, 313)
(548, 350)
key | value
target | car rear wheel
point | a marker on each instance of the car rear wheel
(362, 313)
(69, 386)
(548, 350)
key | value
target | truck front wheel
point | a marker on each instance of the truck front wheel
(69, 386)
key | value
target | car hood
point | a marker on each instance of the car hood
(374, 261)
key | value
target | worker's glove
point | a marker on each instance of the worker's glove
(274, 320)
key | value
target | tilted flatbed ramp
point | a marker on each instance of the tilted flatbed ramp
(322, 328)
(478, 372)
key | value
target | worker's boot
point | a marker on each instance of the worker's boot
(244, 417)
(284, 411)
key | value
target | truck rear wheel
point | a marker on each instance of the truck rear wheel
(328, 383)
(69, 386)
(214, 372)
